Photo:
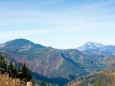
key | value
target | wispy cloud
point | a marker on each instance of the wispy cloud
(18, 19)
(57, 20)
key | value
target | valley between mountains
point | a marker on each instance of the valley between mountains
(60, 66)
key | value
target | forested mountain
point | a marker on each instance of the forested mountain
(56, 65)
(102, 78)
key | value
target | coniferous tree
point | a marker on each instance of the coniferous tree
(23, 72)
(12, 70)
(26, 74)
(3, 66)
(19, 73)
(44, 84)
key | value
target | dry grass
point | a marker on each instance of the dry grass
(74, 83)
(107, 79)
(5, 80)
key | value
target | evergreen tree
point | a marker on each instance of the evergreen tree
(19, 73)
(12, 70)
(3, 66)
(26, 74)
(44, 84)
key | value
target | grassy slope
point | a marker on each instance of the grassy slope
(6, 81)
(104, 78)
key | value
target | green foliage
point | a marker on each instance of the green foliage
(103, 78)
(97, 84)
(25, 73)
(3, 65)
(12, 70)
(44, 84)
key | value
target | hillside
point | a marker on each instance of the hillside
(5, 80)
(12, 74)
(103, 78)
(22, 44)
(55, 65)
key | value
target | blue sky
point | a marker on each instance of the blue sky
(58, 23)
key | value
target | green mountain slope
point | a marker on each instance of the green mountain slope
(103, 78)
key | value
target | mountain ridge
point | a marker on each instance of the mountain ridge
(90, 45)
(87, 44)
(52, 63)
(102, 78)
(20, 43)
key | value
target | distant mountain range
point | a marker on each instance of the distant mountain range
(98, 50)
(60, 66)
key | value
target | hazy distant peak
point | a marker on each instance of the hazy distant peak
(94, 44)
(90, 45)
(20, 43)
(20, 40)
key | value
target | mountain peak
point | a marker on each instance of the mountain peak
(95, 44)
(90, 45)
(20, 43)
